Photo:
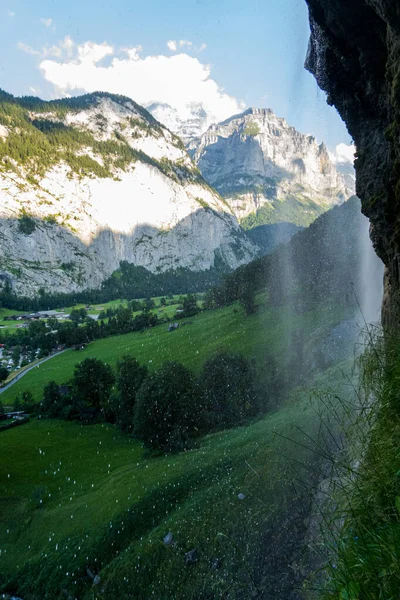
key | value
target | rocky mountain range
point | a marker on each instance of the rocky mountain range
(268, 172)
(88, 182)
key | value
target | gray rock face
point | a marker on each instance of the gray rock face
(256, 159)
(155, 212)
(354, 55)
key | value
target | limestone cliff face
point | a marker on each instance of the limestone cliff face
(114, 185)
(354, 54)
(257, 160)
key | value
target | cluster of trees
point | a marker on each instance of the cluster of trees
(25, 402)
(3, 373)
(81, 329)
(165, 409)
(40, 337)
(135, 306)
(36, 341)
(190, 307)
(26, 224)
(129, 281)
(243, 285)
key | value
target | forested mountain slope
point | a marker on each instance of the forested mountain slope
(91, 181)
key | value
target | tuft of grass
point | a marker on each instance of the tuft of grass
(252, 129)
(364, 531)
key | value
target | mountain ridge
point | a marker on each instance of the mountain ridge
(92, 181)
(97, 180)
(259, 163)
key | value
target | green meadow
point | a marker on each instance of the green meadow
(259, 336)
(5, 325)
(95, 309)
(77, 499)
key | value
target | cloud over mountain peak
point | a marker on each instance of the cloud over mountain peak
(179, 80)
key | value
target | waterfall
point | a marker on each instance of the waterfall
(371, 277)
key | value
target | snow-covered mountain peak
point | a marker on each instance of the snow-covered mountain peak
(189, 124)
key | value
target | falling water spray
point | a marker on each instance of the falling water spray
(371, 277)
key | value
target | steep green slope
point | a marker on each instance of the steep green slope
(330, 264)
(296, 210)
(78, 500)
(363, 559)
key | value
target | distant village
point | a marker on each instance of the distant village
(8, 360)
(55, 314)
(43, 340)
(36, 316)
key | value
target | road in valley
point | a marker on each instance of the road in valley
(35, 366)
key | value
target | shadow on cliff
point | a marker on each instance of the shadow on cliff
(242, 171)
(40, 253)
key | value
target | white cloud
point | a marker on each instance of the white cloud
(181, 81)
(203, 47)
(10, 13)
(344, 154)
(172, 45)
(68, 45)
(55, 51)
(133, 53)
(91, 53)
(28, 49)
(46, 22)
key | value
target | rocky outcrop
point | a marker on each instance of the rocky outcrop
(257, 161)
(111, 185)
(354, 54)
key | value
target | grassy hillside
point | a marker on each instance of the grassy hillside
(324, 264)
(75, 498)
(265, 335)
(300, 211)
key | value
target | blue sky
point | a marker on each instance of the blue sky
(254, 51)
